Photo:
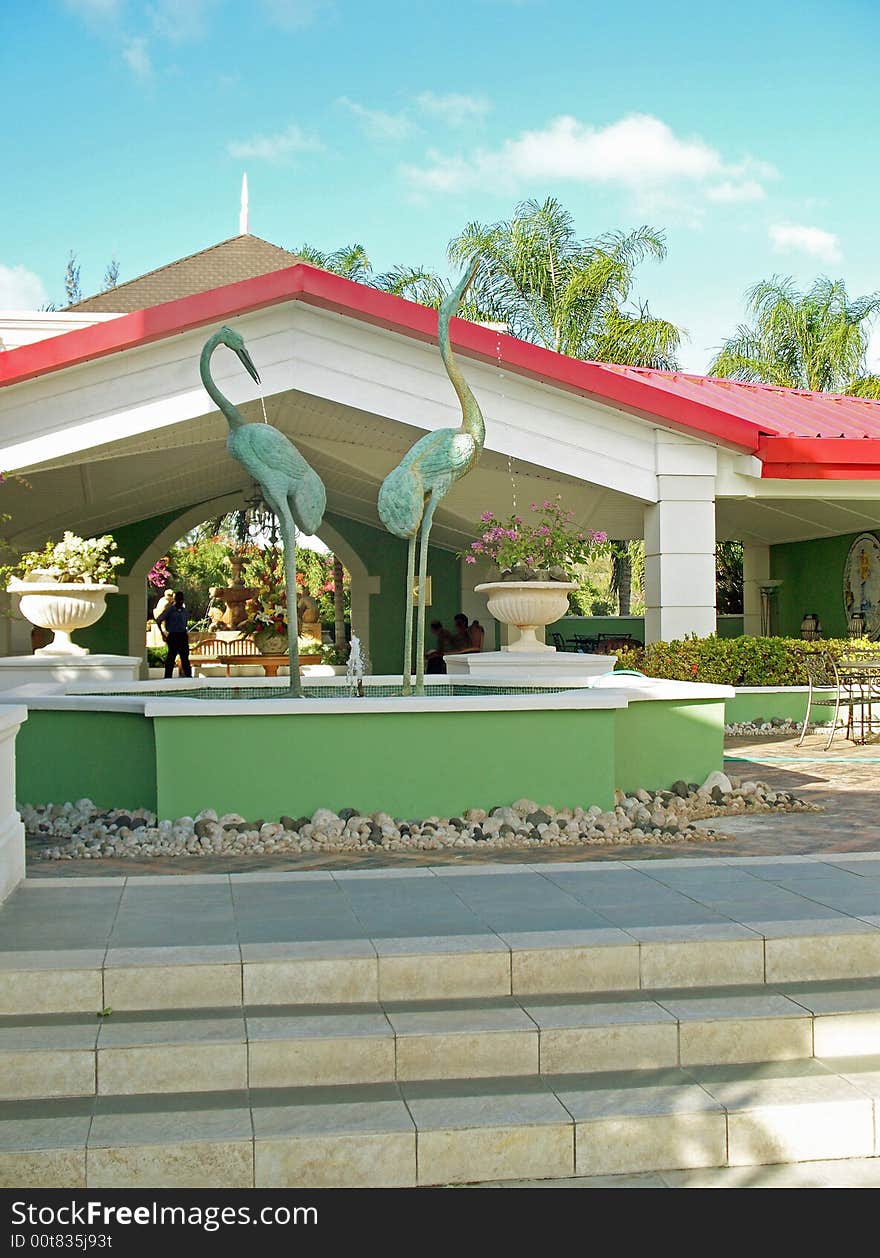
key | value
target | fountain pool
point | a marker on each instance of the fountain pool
(240, 745)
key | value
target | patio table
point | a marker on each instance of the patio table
(860, 678)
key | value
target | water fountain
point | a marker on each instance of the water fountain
(354, 669)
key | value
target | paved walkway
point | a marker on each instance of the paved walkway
(845, 781)
(485, 907)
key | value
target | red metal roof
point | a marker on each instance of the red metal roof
(776, 411)
(819, 435)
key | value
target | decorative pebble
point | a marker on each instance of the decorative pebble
(81, 832)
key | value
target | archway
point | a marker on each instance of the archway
(134, 584)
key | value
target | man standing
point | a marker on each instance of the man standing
(172, 624)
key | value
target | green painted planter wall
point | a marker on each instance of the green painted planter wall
(107, 757)
(788, 705)
(659, 742)
(405, 763)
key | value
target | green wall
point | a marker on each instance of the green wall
(110, 635)
(107, 757)
(399, 762)
(385, 557)
(590, 626)
(268, 765)
(812, 575)
(658, 742)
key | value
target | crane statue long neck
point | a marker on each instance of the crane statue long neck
(234, 417)
(471, 416)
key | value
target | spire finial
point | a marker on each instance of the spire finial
(244, 226)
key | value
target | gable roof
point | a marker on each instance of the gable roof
(796, 434)
(239, 258)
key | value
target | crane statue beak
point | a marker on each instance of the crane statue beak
(248, 363)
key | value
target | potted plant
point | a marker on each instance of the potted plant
(537, 562)
(63, 587)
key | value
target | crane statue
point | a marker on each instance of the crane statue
(292, 488)
(411, 493)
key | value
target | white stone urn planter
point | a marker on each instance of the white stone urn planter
(62, 607)
(527, 605)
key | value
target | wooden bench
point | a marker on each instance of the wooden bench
(219, 651)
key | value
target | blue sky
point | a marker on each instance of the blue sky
(748, 133)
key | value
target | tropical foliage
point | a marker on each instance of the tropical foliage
(543, 283)
(568, 294)
(815, 340)
(744, 661)
(550, 548)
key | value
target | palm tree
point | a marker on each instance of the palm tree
(815, 340)
(568, 294)
(352, 261)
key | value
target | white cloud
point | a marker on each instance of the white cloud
(21, 289)
(798, 238)
(136, 55)
(376, 123)
(639, 152)
(274, 148)
(454, 109)
(292, 15)
(730, 191)
(180, 23)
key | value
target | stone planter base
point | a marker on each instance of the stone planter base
(570, 668)
(528, 606)
(60, 670)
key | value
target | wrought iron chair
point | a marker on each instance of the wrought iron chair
(585, 645)
(826, 690)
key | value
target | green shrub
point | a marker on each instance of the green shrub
(156, 656)
(743, 661)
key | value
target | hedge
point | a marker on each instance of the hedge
(744, 661)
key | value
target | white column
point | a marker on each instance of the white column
(680, 542)
(756, 570)
(11, 828)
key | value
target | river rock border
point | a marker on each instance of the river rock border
(80, 831)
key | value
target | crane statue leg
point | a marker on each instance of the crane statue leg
(408, 624)
(427, 520)
(287, 529)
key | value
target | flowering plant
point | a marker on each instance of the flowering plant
(159, 575)
(89, 560)
(268, 607)
(547, 550)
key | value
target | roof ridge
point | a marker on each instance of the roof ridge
(188, 257)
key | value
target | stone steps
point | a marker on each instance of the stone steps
(451, 967)
(448, 1131)
(226, 1049)
(448, 1059)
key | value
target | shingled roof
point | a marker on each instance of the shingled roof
(239, 258)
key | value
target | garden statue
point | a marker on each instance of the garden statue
(411, 493)
(292, 488)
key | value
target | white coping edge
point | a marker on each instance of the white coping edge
(134, 699)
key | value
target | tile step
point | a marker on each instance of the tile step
(299, 1046)
(449, 1131)
(441, 968)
